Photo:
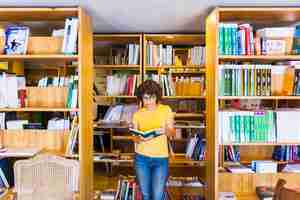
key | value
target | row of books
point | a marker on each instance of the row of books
(184, 182)
(241, 39)
(72, 144)
(257, 166)
(286, 153)
(128, 190)
(120, 55)
(196, 148)
(9, 90)
(120, 113)
(258, 80)
(160, 55)
(231, 153)
(56, 81)
(53, 124)
(179, 86)
(269, 126)
(122, 84)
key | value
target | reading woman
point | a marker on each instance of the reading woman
(151, 157)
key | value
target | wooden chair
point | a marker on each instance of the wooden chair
(279, 185)
(46, 177)
(289, 194)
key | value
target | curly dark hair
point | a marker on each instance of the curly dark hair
(149, 87)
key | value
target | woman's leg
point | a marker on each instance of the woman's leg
(160, 172)
(143, 174)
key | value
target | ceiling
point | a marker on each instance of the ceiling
(150, 16)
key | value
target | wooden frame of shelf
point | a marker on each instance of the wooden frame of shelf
(85, 66)
(262, 16)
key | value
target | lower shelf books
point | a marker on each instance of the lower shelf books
(196, 148)
(286, 153)
(184, 182)
(239, 169)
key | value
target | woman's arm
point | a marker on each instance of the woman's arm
(170, 131)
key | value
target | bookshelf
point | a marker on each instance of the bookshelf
(50, 100)
(120, 144)
(257, 17)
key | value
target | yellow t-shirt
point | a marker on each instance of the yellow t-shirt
(147, 120)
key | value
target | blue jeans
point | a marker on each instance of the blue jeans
(152, 174)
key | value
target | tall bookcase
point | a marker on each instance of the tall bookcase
(49, 141)
(243, 185)
(180, 166)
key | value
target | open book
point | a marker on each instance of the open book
(146, 134)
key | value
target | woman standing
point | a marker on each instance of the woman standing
(151, 158)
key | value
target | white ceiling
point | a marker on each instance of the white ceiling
(152, 16)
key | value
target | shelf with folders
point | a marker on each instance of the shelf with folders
(117, 64)
(252, 96)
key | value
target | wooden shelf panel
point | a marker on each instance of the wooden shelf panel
(164, 97)
(117, 67)
(173, 39)
(200, 67)
(261, 144)
(260, 97)
(39, 109)
(258, 58)
(189, 115)
(183, 97)
(39, 57)
(117, 38)
(267, 15)
(35, 14)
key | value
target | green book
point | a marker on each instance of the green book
(145, 134)
(221, 39)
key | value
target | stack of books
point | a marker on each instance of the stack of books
(286, 153)
(258, 80)
(241, 39)
(122, 84)
(196, 148)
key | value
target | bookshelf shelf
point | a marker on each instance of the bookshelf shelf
(39, 109)
(111, 97)
(200, 67)
(183, 97)
(260, 97)
(261, 144)
(39, 57)
(117, 67)
(187, 115)
(259, 58)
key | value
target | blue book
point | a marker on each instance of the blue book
(16, 39)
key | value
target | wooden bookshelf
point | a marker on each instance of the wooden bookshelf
(119, 139)
(224, 181)
(39, 57)
(259, 58)
(39, 109)
(53, 99)
(117, 67)
(260, 97)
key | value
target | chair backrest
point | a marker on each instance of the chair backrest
(279, 185)
(289, 194)
(46, 177)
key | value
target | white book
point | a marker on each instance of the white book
(20, 152)
(288, 129)
(136, 54)
(70, 36)
(3, 88)
(15, 124)
(12, 92)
